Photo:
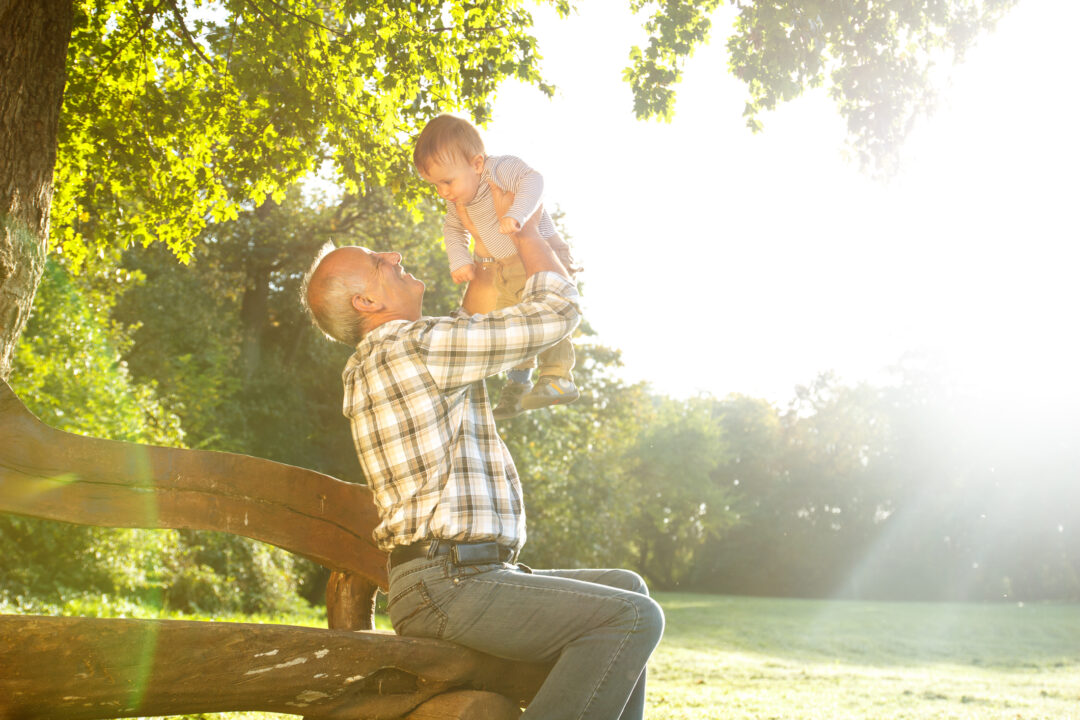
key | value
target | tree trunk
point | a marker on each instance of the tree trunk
(255, 307)
(34, 36)
(253, 314)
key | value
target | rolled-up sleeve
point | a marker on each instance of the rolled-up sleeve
(462, 349)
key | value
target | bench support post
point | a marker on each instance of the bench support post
(350, 602)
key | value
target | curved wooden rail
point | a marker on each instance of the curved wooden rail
(51, 474)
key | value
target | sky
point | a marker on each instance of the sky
(723, 261)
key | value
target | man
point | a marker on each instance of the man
(447, 491)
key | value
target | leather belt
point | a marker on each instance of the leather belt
(460, 553)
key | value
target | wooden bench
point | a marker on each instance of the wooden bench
(83, 668)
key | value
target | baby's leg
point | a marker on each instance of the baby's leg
(558, 360)
(510, 279)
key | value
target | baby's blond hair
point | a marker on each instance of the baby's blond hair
(446, 138)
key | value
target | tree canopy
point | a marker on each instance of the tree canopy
(177, 113)
(876, 57)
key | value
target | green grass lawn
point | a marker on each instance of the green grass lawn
(731, 657)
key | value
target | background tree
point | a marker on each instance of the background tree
(76, 352)
(754, 472)
(876, 58)
(676, 503)
(985, 495)
(571, 461)
(226, 339)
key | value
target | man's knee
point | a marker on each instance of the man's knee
(649, 615)
(650, 619)
(630, 580)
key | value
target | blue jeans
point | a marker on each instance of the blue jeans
(599, 626)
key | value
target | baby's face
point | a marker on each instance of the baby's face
(456, 180)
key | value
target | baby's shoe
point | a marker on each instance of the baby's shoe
(550, 390)
(510, 400)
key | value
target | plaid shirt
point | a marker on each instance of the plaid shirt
(422, 424)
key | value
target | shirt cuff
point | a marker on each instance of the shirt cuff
(549, 281)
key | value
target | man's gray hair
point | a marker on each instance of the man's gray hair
(333, 311)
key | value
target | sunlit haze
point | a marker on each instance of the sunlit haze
(723, 261)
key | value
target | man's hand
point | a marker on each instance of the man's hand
(508, 225)
(465, 273)
(502, 202)
(536, 255)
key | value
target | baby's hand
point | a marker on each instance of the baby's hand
(508, 225)
(465, 273)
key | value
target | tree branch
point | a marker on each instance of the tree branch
(485, 28)
(147, 17)
(185, 34)
(301, 18)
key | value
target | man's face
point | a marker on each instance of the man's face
(388, 283)
(455, 180)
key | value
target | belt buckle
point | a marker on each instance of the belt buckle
(483, 553)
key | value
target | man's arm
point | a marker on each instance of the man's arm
(480, 295)
(536, 255)
(463, 349)
(527, 186)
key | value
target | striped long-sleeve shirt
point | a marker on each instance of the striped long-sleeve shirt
(511, 174)
(422, 424)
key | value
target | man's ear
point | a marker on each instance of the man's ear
(364, 304)
(477, 163)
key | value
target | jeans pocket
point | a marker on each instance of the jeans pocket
(413, 613)
(459, 573)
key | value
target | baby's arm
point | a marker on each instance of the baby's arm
(457, 247)
(513, 175)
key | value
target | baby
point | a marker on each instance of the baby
(450, 155)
